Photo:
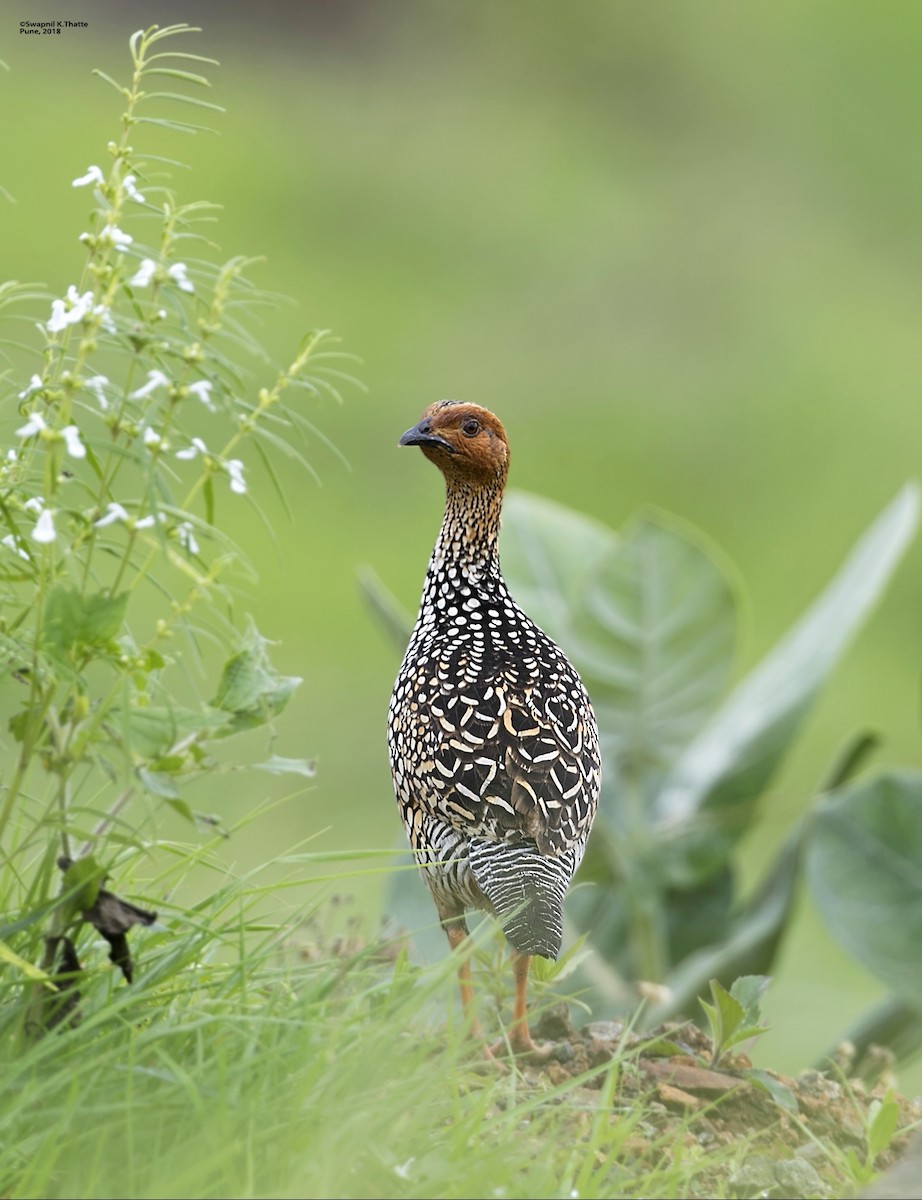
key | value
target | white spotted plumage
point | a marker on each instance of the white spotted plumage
(493, 743)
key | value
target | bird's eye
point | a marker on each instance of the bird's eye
(471, 427)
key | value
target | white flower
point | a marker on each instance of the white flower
(34, 504)
(187, 537)
(96, 385)
(155, 379)
(144, 273)
(105, 317)
(201, 389)
(62, 316)
(178, 274)
(35, 385)
(71, 436)
(234, 468)
(151, 437)
(11, 541)
(44, 530)
(114, 512)
(12, 456)
(93, 175)
(197, 447)
(35, 424)
(111, 233)
(402, 1170)
(128, 185)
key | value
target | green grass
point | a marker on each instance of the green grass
(255, 1058)
(252, 1059)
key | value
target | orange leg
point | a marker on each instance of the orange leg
(457, 935)
(519, 1034)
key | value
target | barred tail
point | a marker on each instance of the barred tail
(526, 890)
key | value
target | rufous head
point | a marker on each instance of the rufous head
(465, 441)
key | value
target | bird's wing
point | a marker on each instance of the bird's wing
(510, 763)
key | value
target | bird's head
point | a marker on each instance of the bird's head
(466, 442)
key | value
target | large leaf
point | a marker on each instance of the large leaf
(864, 868)
(548, 553)
(655, 632)
(708, 799)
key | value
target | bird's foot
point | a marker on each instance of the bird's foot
(522, 1047)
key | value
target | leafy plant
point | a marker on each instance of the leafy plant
(649, 618)
(117, 581)
(735, 1015)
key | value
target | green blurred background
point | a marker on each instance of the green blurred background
(676, 247)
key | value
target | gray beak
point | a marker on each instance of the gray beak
(422, 435)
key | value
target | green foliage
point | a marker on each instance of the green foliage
(117, 581)
(864, 865)
(649, 619)
(736, 1015)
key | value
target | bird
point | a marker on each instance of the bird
(492, 739)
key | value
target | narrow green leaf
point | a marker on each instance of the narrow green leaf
(883, 1124)
(707, 800)
(175, 73)
(385, 607)
(277, 765)
(10, 956)
(179, 805)
(208, 494)
(178, 96)
(123, 91)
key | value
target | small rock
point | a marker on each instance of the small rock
(795, 1177)
(605, 1031)
(554, 1024)
(755, 1177)
(676, 1099)
(562, 1052)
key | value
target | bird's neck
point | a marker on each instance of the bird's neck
(467, 541)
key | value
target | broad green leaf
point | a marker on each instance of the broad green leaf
(864, 869)
(707, 802)
(548, 554)
(154, 731)
(748, 990)
(250, 688)
(654, 638)
(72, 619)
(751, 943)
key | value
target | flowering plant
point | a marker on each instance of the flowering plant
(137, 429)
